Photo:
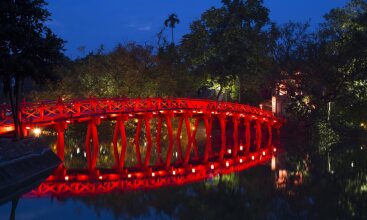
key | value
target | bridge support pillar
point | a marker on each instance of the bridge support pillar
(149, 139)
(208, 130)
(223, 121)
(60, 144)
(235, 120)
(158, 141)
(270, 135)
(247, 135)
(171, 140)
(92, 135)
(136, 141)
(192, 139)
(258, 135)
(119, 160)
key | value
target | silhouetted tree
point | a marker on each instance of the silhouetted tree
(27, 49)
(171, 22)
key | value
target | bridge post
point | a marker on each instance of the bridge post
(178, 138)
(247, 134)
(158, 141)
(223, 121)
(258, 134)
(60, 144)
(192, 140)
(270, 134)
(119, 161)
(235, 120)
(136, 141)
(171, 140)
(208, 130)
(149, 139)
(92, 134)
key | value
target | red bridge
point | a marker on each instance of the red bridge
(254, 135)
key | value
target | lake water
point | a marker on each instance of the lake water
(303, 185)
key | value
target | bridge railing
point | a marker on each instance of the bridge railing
(53, 110)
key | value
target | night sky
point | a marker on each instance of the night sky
(90, 23)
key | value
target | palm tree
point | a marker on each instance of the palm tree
(171, 22)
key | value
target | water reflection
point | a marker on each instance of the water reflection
(298, 187)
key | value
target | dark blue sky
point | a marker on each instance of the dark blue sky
(91, 23)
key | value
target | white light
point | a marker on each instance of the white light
(37, 132)
(241, 160)
(352, 164)
(129, 175)
(78, 150)
(229, 151)
(227, 164)
(176, 154)
(273, 163)
(212, 166)
(66, 178)
(174, 172)
(193, 170)
(153, 174)
(85, 154)
(241, 147)
(263, 153)
(100, 177)
(252, 157)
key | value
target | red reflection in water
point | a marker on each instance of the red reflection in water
(84, 182)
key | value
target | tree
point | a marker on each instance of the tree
(230, 44)
(28, 49)
(171, 22)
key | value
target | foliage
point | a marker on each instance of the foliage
(229, 42)
(28, 49)
(128, 71)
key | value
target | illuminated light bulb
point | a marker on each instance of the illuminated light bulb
(129, 175)
(131, 115)
(273, 163)
(194, 111)
(154, 113)
(100, 177)
(212, 166)
(174, 172)
(161, 111)
(274, 149)
(241, 160)
(227, 164)
(213, 112)
(264, 119)
(28, 128)
(68, 121)
(193, 170)
(253, 116)
(66, 178)
(193, 128)
(229, 151)
(37, 132)
(252, 157)
(174, 111)
(263, 153)
(241, 147)
(275, 121)
(102, 117)
(153, 174)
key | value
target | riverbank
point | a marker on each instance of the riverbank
(23, 165)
